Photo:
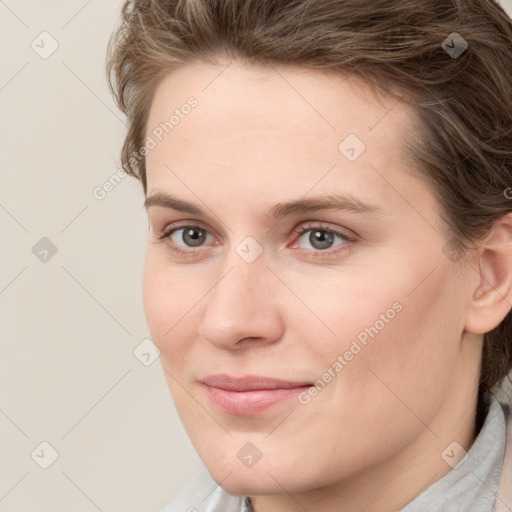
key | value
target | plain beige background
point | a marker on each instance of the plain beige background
(73, 372)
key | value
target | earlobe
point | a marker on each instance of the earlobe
(492, 299)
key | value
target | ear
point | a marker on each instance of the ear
(492, 299)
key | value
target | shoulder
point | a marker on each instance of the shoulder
(202, 494)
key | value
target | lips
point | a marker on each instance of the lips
(250, 395)
(250, 383)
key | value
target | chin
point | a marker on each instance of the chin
(250, 483)
(261, 479)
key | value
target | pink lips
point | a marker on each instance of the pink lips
(249, 395)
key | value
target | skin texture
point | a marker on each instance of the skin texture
(372, 438)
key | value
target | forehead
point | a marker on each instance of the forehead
(255, 128)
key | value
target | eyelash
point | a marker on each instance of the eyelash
(297, 232)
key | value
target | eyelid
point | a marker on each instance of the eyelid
(298, 231)
(183, 224)
(311, 225)
(332, 252)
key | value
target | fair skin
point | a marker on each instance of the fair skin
(372, 439)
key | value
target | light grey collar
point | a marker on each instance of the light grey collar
(472, 486)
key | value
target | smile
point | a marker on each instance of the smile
(247, 396)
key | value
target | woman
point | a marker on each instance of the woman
(328, 273)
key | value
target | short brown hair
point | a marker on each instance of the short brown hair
(463, 146)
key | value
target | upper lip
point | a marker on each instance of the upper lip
(250, 383)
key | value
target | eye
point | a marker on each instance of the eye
(190, 235)
(188, 239)
(322, 238)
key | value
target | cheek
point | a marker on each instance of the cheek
(153, 297)
(415, 354)
(161, 298)
(402, 325)
(170, 299)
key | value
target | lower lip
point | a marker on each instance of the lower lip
(248, 403)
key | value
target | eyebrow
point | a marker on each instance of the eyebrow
(330, 201)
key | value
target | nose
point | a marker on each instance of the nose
(242, 308)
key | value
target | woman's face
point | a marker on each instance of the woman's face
(365, 302)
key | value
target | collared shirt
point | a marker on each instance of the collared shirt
(471, 486)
